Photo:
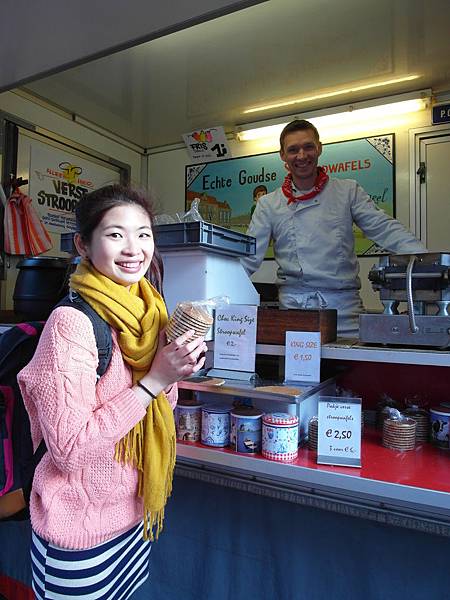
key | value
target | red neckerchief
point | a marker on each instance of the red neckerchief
(319, 184)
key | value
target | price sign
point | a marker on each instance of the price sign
(235, 337)
(302, 356)
(339, 436)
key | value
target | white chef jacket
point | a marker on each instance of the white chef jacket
(314, 246)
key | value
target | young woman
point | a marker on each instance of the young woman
(99, 492)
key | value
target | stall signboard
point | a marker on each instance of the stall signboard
(339, 432)
(229, 189)
(302, 356)
(57, 181)
(441, 113)
(207, 144)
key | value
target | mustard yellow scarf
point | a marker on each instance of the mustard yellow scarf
(138, 314)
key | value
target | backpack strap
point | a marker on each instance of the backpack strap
(102, 330)
(28, 472)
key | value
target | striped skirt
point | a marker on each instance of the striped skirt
(110, 571)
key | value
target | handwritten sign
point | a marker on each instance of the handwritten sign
(302, 356)
(339, 437)
(235, 337)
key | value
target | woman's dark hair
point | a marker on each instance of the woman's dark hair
(94, 205)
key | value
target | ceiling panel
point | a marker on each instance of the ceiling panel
(209, 74)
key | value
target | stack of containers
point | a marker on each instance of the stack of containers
(246, 429)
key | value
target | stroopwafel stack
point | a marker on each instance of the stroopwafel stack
(422, 418)
(313, 431)
(188, 316)
(399, 434)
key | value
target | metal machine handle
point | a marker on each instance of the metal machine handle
(412, 320)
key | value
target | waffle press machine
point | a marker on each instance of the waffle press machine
(420, 280)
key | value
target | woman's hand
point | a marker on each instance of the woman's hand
(174, 361)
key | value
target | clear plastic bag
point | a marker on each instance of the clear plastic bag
(193, 214)
(196, 315)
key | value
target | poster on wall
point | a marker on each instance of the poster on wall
(229, 189)
(57, 181)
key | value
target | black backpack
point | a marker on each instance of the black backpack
(17, 346)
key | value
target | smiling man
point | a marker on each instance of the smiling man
(310, 220)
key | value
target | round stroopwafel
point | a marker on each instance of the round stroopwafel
(279, 389)
(188, 317)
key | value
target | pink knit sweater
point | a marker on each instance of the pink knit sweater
(81, 495)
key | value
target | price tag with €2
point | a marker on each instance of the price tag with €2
(302, 356)
(339, 435)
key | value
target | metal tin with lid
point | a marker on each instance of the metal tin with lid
(245, 435)
(440, 426)
(280, 437)
(188, 420)
(216, 425)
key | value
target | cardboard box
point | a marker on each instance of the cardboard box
(273, 324)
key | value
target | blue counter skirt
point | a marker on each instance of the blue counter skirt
(110, 571)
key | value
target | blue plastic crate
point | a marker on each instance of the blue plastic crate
(206, 235)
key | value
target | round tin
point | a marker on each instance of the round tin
(216, 425)
(245, 434)
(188, 421)
(440, 429)
(280, 437)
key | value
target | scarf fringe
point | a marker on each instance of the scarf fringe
(129, 450)
(154, 520)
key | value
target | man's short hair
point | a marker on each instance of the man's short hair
(298, 125)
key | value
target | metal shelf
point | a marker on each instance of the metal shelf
(406, 356)
(352, 350)
(366, 493)
(422, 509)
(236, 388)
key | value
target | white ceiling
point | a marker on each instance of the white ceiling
(278, 50)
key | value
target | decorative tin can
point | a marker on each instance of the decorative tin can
(188, 420)
(216, 425)
(440, 430)
(245, 435)
(280, 437)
